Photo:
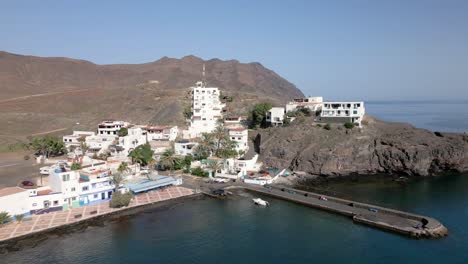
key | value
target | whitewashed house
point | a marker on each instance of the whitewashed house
(207, 110)
(75, 137)
(136, 136)
(341, 112)
(14, 200)
(169, 133)
(241, 137)
(275, 116)
(233, 121)
(184, 147)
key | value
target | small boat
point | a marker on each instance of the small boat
(259, 201)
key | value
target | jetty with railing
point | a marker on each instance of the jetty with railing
(413, 225)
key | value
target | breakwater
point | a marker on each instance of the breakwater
(413, 225)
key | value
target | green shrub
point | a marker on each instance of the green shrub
(349, 125)
(75, 166)
(199, 172)
(4, 218)
(19, 218)
(120, 200)
(319, 125)
(122, 132)
(327, 127)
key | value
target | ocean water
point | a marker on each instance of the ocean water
(236, 231)
(443, 116)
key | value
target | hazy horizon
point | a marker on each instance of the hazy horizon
(354, 50)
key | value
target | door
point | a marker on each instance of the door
(103, 196)
(109, 194)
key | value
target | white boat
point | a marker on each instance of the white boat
(259, 201)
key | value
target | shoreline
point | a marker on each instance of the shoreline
(33, 239)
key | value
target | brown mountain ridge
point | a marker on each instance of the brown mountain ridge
(40, 94)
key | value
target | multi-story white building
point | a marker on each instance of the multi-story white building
(313, 103)
(65, 181)
(275, 116)
(95, 185)
(161, 132)
(340, 112)
(241, 137)
(110, 127)
(207, 109)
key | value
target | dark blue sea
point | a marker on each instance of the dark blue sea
(236, 231)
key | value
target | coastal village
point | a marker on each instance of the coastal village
(123, 165)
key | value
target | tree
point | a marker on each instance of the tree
(122, 132)
(228, 149)
(214, 166)
(19, 218)
(117, 178)
(142, 154)
(4, 218)
(327, 127)
(349, 125)
(205, 147)
(188, 112)
(48, 146)
(123, 167)
(168, 160)
(75, 166)
(120, 200)
(257, 115)
(219, 135)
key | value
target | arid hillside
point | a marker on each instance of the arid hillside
(40, 95)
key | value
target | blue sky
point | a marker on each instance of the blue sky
(349, 49)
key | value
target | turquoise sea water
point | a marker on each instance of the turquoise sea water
(236, 231)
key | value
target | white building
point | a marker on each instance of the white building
(75, 137)
(206, 110)
(110, 127)
(341, 112)
(95, 185)
(161, 132)
(313, 103)
(233, 121)
(160, 146)
(65, 181)
(136, 136)
(241, 137)
(99, 144)
(14, 200)
(275, 116)
(184, 147)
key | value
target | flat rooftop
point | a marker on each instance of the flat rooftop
(10, 190)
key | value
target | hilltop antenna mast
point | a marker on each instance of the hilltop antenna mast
(203, 75)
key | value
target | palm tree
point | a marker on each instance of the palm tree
(214, 166)
(169, 160)
(117, 178)
(123, 167)
(84, 148)
(219, 135)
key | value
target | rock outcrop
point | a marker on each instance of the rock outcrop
(377, 147)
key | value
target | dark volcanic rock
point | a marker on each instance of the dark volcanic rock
(378, 147)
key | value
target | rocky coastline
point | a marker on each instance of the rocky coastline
(378, 147)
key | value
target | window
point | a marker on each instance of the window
(65, 177)
(73, 189)
(55, 203)
(34, 204)
(355, 112)
(85, 188)
(93, 185)
(73, 198)
(95, 196)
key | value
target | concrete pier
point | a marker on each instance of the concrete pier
(416, 226)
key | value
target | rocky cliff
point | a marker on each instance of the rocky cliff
(377, 147)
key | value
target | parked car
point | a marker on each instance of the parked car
(374, 210)
(323, 198)
(27, 183)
